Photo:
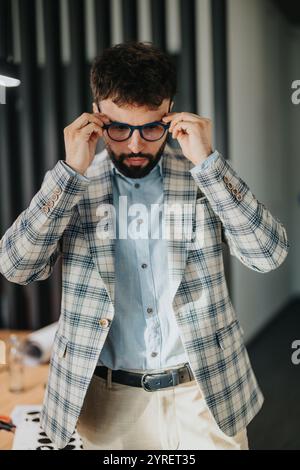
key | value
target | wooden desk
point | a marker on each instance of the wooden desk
(35, 379)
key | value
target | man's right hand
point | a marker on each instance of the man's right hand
(81, 138)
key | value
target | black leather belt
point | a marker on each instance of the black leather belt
(149, 382)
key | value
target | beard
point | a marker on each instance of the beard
(136, 170)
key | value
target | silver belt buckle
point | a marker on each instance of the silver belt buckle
(144, 384)
(174, 373)
(175, 379)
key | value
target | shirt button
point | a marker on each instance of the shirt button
(104, 322)
(154, 354)
(144, 265)
(149, 310)
(137, 185)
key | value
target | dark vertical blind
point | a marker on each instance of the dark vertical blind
(220, 74)
(187, 66)
(158, 12)
(103, 24)
(76, 83)
(5, 33)
(130, 20)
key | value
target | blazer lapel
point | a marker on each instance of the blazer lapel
(95, 223)
(180, 190)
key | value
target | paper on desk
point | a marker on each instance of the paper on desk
(30, 436)
(20, 411)
(37, 346)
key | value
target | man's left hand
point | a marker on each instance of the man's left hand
(193, 133)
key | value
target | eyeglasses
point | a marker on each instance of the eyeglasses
(151, 132)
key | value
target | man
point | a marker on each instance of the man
(149, 353)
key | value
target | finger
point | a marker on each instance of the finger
(81, 121)
(89, 129)
(182, 126)
(176, 120)
(184, 117)
(102, 117)
(179, 131)
(87, 118)
(93, 139)
(96, 119)
(169, 116)
(175, 130)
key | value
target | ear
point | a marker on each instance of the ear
(95, 108)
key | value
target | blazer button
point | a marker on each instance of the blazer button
(50, 203)
(229, 186)
(239, 197)
(54, 197)
(57, 190)
(104, 322)
(45, 209)
(225, 179)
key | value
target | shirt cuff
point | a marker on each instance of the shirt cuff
(73, 172)
(206, 163)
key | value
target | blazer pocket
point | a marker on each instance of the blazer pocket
(230, 335)
(60, 346)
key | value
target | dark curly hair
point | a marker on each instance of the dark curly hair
(133, 73)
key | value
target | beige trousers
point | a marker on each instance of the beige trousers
(120, 417)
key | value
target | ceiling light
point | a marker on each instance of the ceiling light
(7, 79)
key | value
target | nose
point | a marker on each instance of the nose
(136, 143)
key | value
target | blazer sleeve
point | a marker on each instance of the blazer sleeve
(30, 248)
(253, 235)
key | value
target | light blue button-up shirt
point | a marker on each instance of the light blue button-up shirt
(144, 334)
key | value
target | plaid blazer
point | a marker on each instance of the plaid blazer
(62, 220)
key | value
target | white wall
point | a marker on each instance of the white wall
(261, 149)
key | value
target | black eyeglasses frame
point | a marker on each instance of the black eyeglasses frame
(140, 129)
